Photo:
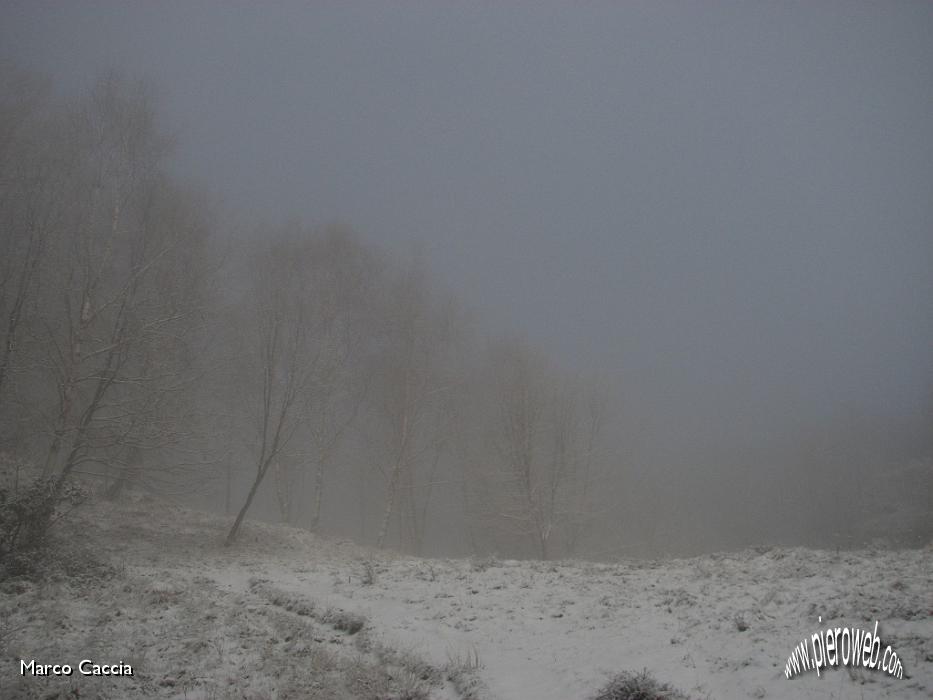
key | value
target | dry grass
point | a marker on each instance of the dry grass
(638, 686)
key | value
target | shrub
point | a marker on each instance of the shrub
(638, 686)
(27, 511)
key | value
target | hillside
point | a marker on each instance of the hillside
(286, 614)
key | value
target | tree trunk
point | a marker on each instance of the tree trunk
(318, 494)
(235, 530)
(229, 481)
(127, 475)
(391, 498)
(283, 488)
(22, 290)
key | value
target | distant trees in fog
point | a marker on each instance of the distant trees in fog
(103, 275)
(302, 326)
(543, 431)
(301, 372)
(135, 354)
(413, 380)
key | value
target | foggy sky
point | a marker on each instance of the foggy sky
(724, 208)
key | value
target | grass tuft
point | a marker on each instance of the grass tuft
(638, 686)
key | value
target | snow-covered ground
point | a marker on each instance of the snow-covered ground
(285, 614)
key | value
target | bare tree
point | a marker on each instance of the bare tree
(97, 365)
(411, 382)
(543, 436)
(30, 201)
(153, 420)
(310, 299)
(343, 278)
(282, 355)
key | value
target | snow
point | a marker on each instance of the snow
(199, 619)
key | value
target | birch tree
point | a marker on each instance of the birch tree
(281, 355)
(543, 431)
(308, 299)
(111, 298)
(30, 202)
(342, 278)
(411, 382)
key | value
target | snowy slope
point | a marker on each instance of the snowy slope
(274, 617)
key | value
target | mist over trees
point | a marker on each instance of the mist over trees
(302, 375)
(103, 281)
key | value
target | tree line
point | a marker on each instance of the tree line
(295, 372)
(142, 348)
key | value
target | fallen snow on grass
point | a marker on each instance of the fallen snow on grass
(286, 614)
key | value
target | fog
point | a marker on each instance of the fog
(717, 217)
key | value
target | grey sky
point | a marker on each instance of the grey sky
(727, 207)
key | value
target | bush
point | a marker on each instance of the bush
(27, 511)
(638, 686)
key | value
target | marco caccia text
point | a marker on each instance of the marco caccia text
(86, 667)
